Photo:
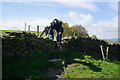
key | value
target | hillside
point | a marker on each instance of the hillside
(3, 31)
(113, 40)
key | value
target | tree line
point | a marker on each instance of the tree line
(75, 30)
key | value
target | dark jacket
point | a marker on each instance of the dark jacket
(58, 26)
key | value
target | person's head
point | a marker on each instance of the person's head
(52, 24)
(55, 22)
(55, 19)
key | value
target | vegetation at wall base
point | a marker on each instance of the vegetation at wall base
(89, 67)
(79, 65)
(25, 66)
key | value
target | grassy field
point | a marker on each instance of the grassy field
(89, 67)
(82, 66)
(27, 66)
(3, 31)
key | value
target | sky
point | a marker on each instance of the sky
(99, 18)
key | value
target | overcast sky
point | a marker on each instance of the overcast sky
(99, 18)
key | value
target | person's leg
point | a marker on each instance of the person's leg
(51, 37)
(59, 37)
(57, 42)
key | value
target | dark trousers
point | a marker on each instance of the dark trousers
(59, 38)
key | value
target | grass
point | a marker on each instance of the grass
(78, 66)
(89, 67)
(3, 31)
(35, 32)
(27, 66)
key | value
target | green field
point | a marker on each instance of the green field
(3, 31)
(82, 66)
(89, 67)
(35, 32)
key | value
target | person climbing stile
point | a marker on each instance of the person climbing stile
(57, 25)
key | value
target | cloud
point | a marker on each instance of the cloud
(84, 5)
(18, 24)
(60, 0)
(113, 5)
(81, 4)
(105, 29)
(86, 0)
(76, 18)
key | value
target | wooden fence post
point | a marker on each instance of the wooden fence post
(107, 52)
(25, 26)
(29, 28)
(38, 30)
(102, 52)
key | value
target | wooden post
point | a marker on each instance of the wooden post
(29, 28)
(107, 52)
(102, 52)
(74, 35)
(25, 26)
(38, 30)
(64, 66)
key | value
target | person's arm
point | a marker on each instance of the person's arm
(42, 33)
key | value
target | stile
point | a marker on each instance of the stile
(102, 52)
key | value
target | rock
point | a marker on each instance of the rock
(55, 60)
(52, 73)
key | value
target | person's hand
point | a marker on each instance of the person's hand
(46, 37)
(59, 33)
